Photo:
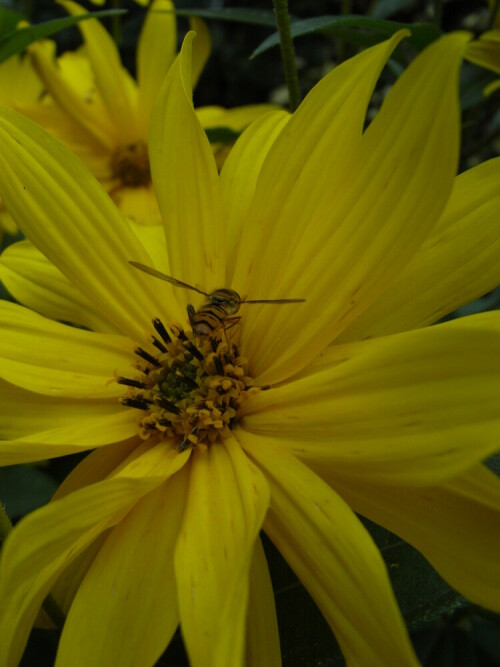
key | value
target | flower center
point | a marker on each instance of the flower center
(130, 164)
(190, 389)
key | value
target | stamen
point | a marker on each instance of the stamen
(138, 402)
(167, 405)
(147, 357)
(194, 351)
(132, 383)
(159, 345)
(186, 442)
(161, 330)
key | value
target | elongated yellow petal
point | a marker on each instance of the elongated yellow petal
(103, 425)
(95, 467)
(485, 51)
(62, 82)
(69, 217)
(133, 576)
(226, 504)
(263, 642)
(138, 204)
(57, 360)
(325, 128)
(155, 53)
(459, 261)
(48, 540)
(357, 221)
(38, 284)
(335, 558)
(112, 79)
(186, 182)
(202, 46)
(415, 407)
(239, 177)
(455, 526)
(44, 543)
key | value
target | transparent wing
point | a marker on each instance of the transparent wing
(163, 276)
(273, 301)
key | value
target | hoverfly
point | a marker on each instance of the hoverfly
(220, 307)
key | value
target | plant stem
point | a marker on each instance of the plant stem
(494, 12)
(5, 523)
(116, 24)
(287, 52)
(50, 605)
(438, 12)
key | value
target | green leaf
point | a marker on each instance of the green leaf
(8, 20)
(386, 8)
(358, 29)
(16, 41)
(221, 135)
(234, 14)
(24, 488)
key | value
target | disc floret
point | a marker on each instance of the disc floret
(190, 389)
(130, 165)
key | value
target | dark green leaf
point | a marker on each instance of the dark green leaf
(356, 29)
(234, 14)
(24, 488)
(16, 41)
(8, 20)
(386, 8)
(221, 135)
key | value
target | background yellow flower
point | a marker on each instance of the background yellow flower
(99, 110)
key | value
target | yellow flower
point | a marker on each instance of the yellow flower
(485, 51)
(102, 114)
(303, 413)
(19, 87)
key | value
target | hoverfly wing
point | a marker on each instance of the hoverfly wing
(273, 301)
(164, 276)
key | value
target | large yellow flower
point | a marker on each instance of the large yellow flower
(102, 113)
(290, 419)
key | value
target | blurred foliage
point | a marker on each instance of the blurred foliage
(446, 630)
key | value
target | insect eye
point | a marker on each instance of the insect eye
(219, 300)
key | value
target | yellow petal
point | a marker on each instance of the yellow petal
(95, 467)
(103, 425)
(239, 177)
(58, 360)
(458, 262)
(68, 216)
(339, 253)
(138, 204)
(202, 46)
(226, 504)
(45, 542)
(112, 79)
(133, 576)
(69, 82)
(335, 558)
(263, 642)
(36, 283)
(455, 526)
(186, 182)
(485, 51)
(236, 118)
(20, 84)
(415, 407)
(155, 53)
